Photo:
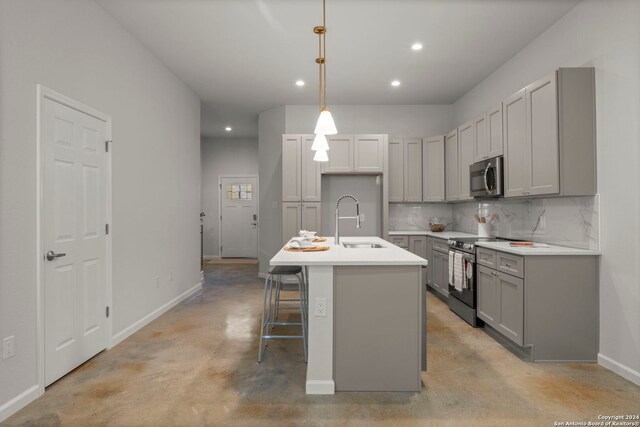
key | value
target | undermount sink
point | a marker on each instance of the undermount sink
(362, 245)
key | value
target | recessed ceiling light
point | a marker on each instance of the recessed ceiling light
(299, 82)
(395, 83)
(228, 129)
(416, 46)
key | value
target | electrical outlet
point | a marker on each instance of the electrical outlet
(171, 276)
(7, 347)
(321, 307)
(361, 217)
(157, 282)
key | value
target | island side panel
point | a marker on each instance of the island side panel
(320, 337)
(561, 308)
(377, 328)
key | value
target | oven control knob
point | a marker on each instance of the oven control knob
(468, 246)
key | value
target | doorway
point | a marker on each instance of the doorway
(74, 256)
(238, 216)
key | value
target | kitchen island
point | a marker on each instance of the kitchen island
(371, 334)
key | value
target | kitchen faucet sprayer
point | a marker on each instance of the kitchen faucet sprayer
(338, 217)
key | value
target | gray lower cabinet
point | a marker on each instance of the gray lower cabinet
(430, 260)
(547, 304)
(488, 296)
(501, 302)
(401, 241)
(439, 268)
(418, 246)
(511, 308)
(379, 333)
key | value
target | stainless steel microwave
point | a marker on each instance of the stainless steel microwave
(486, 178)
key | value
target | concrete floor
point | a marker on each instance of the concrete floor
(196, 365)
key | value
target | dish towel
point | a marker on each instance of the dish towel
(458, 272)
(451, 265)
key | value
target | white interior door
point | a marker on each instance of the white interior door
(73, 234)
(239, 217)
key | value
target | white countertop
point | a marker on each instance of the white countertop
(442, 234)
(389, 254)
(551, 250)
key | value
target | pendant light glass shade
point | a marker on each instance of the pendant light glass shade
(325, 124)
(320, 143)
(321, 156)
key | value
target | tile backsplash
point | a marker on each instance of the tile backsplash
(567, 221)
(415, 216)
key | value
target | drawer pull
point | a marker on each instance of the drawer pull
(508, 265)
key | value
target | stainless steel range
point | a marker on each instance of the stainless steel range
(464, 302)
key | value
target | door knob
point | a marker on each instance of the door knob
(52, 255)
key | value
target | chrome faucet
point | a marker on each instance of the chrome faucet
(338, 217)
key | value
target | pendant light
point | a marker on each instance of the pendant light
(320, 143)
(321, 156)
(325, 124)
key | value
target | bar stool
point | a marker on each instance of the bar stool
(278, 272)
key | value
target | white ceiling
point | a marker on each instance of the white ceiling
(243, 56)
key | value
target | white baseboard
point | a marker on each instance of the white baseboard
(620, 369)
(321, 387)
(208, 257)
(20, 401)
(120, 336)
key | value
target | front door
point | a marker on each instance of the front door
(239, 217)
(73, 237)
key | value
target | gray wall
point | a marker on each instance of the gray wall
(605, 35)
(367, 189)
(271, 126)
(222, 156)
(77, 49)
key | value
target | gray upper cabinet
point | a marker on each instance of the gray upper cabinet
(480, 142)
(494, 132)
(405, 170)
(515, 136)
(291, 168)
(433, 169)
(542, 136)
(311, 172)
(340, 154)
(396, 170)
(355, 154)
(413, 170)
(368, 153)
(465, 155)
(452, 167)
(488, 135)
(301, 175)
(549, 136)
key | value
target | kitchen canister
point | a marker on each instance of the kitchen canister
(484, 229)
